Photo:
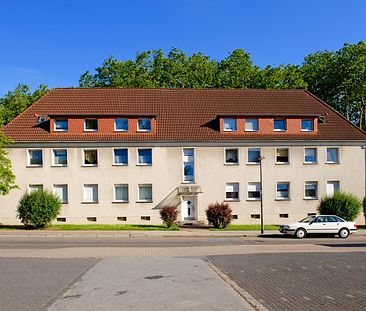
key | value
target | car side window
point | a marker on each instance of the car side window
(319, 219)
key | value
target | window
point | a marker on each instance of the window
(120, 156)
(283, 215)
(310, 155)
(307, 125)
(279, 125)
(251, 125)
(232, 191)
(145, 193)
(145, 218)
(332, 187)
(90, 194)
(35, 157)
(254, 191)
(282, 155)
(256, 216)
(231, 156)
(188, 164)
(35, 187)
(254, 155)
(90, 157)
(229, 125)
(122, 218)
(60, 157)
(144, 156)
(61, 192)
(121, 125)
(311, 189)
(92, 219)
(121, 193)
(332, 155)
(61, 125)
(283, 190)
(91, 125)
(144, 125)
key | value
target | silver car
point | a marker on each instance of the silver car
(321, 224)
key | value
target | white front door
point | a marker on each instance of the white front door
(188, 208)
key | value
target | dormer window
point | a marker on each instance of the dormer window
(279, 125)
(307, 125)
(251, 125)
(61, 125)
(121, 125)
(229, 125)
(144, 125)
(91, 125)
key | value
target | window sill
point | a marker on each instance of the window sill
(123, 131)
(254, 200)
(35, 165)
(143, 201)
(282, 199)
(310, 199)
(120, 164)
(332, 163)
(309, 131)
(188, 182)
(143, 164)
(253, 131)
(89, 165)
(59, 165)
(90, 202)
(282, 163)
(92, 131)
(310, 163)
(253, 163)
(232, 200)
(60, 131)
(144, 131)
(279, 131)
(231, 163)
(64, 203)
(120, 202)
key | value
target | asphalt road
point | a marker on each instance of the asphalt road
(301, 281)
(66, 242)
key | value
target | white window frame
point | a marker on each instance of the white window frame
(114, 193)
(83, 157)
(53, 156)
(137, 157)
(194, 166)
(35, 187)
(260, 154)
(233, 184)
(251, 119)
(28, 157)
(260, 191)
(238, 155)
(67, 192)
(228, 129)
(120, 164)
(278, 198)
(317, 190)
(312, 125)
(288, 156)
(316, 155)
(144, 130)
(91, 130)
(120, 130)
(60, 130)
(338, 155)
(332, 181)
(97, 193)
(139, 200)
(280, 130)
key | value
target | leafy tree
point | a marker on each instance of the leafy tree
(342, 204)
(38, 208)
(17, 101)
(7, 178)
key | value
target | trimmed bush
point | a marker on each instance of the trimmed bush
(38, 208)
(219, 214)
(169, 215)
(342, 204)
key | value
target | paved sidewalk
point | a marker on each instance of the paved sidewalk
(154, 284)
(191, 232)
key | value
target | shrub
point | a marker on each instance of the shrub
(169, 215)
(364, 208)
(38, 208)
(345, 205)
(219, 214)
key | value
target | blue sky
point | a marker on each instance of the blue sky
(54, 42)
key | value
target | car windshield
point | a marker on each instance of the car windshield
(307, 219)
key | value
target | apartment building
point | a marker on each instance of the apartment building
(118, 155)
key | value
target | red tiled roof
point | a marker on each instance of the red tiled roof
(181, 114)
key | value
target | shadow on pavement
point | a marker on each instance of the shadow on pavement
(345, 245)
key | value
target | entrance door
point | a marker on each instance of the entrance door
(188, 208)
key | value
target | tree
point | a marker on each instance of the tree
(7, 178)
(169, 215)
(17, 101)
(342, 204)
(219, 214)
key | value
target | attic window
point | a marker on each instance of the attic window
(61, 125)
(229, 125)
(91, 125)
(144, 125)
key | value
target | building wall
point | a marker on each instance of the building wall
(166, 174)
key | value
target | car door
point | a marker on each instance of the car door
(318, 225)
(334, 224)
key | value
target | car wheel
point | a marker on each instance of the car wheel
(300, 233)
(343, 233)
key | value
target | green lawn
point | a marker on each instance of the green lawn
(246, 228)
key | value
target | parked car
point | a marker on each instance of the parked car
(320, 224)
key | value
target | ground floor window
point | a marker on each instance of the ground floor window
(145, 193)
(62, 192)
(90, 194)
(121, 193)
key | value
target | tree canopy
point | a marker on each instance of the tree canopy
(7, 178)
